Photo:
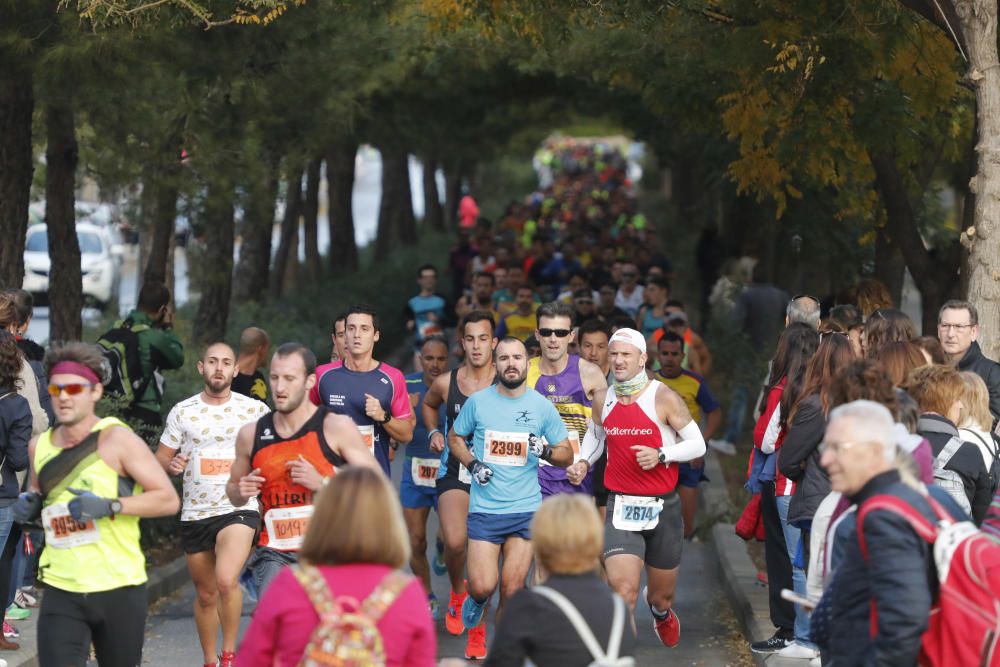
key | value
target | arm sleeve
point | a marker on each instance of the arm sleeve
(18, 435)
(400, 407)
(166, 350)
(593, 443)
(772, 432)
(691, 446)
(803, 437)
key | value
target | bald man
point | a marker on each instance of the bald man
(249, 381)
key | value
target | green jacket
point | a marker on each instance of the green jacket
(159, 349)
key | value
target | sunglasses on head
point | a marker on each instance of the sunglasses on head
(559, 333)
(72, 389)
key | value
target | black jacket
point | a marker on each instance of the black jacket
(898, 576)
(15, 432)
(798, 459)
(989, 370)
(967, 462)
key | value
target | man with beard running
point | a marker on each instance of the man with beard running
(200, 443)
(284, 458)
(569, 383)
(648, 431)
(509, 425)
(452, 390)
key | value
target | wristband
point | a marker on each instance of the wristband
(431, 434)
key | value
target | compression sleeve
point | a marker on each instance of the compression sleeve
(593, 443)
(691, 446)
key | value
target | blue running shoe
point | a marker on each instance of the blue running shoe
(432, 604)
(437, 564)
(472, 612)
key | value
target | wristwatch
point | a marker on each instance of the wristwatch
(116, 507)
(662, 456)
(388, 418)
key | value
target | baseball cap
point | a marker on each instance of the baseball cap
(630, 336)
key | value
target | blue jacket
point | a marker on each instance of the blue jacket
(15, 432)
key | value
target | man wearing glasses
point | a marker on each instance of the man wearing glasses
(958, 330)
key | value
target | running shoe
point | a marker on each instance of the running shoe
(472, 613)
(438, 563)
(722, 446)
(15, 613)
(9, 631)
(475, 646)
(25, 600)
(227, 659)
(667, 627)
(453, 619)
(432, 604)
(772, 644)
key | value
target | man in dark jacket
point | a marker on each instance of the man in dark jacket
(897, 576)
(958, 330)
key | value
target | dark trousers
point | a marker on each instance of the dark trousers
(779, 566)
(114, 621)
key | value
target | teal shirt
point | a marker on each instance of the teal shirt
(159, 349)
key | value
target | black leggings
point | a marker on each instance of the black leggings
(115, 621)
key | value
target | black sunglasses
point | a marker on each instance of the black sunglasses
(559, 333)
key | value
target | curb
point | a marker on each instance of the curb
(739, 581)
(163, 581)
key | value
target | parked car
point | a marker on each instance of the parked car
(100, 264)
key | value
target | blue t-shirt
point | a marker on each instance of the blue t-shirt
(514, 488)
(421, 309)
(420, 444)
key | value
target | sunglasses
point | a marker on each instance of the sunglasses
(559, 333)
(71, 389)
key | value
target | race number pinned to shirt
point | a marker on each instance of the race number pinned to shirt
(62, 531)
(425, 471)
(286, 527)
(368, 435)
(212, 465)
(636, 513)
(505, 449)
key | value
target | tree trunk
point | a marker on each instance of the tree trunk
(453, 192)
(17, 103)
(289, 241)
(252, 272)
(342, 255)
(161, 225)
(889, 265)
(217, 274)
(397, 227)
(65, 280)
(310, 216)
(433, 211)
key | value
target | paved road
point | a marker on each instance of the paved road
(707, 625)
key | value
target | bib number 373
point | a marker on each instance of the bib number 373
(636, 513)
(505, 449)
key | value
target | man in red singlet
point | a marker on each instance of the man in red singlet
(648, 431)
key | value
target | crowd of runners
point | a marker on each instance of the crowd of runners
(557, 380)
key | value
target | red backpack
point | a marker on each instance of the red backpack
(964, 624)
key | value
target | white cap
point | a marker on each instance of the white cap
(630, 336)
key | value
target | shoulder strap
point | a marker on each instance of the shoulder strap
(583, 629)
(385, 594)
(924, 528)
(62, 468)
(942, 459)
(313, 583)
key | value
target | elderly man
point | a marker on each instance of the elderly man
(958, 330)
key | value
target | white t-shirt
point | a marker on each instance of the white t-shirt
(206, 434)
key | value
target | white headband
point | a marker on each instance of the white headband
(630, 336)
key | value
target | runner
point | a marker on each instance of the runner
(648, 430)
(371, 393)
(481, 296)
(249, 381)
(284, 458)
(338, 339)
(508, 425)
(199, 442)
(700, 401)
(97, 479)
(452, 390)
(594, 335)
(569, 383)
(418, 489)
(520, 323)
(425, 313)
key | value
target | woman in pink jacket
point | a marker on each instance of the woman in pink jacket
(357, 542)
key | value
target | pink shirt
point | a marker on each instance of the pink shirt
(284, 619)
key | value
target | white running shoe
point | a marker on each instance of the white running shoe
(798, 651)
(722, 446)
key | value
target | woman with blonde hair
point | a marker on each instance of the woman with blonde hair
(350, 563)
(974, 422)
(567, 535)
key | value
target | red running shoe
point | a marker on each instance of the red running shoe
(475, 647)
(453, 619)
(668, 629)
(227, 659)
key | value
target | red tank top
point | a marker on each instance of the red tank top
(636, 424)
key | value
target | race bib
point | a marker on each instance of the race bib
(62, 531)
(212, 466)
(286, 527)
(636, 513)
(464, 476)
(424, 471)
(368, 435)
(505, 449)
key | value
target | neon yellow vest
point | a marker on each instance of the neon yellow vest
(115, 560)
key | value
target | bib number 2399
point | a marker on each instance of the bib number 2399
(505, 449)
(636, 513)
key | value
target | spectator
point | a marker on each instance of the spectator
(958, 329)
(759, 309)
(355, 561)
(567, 535)
(32, 383)
(803, 308)
(872, 295)
(249, 380)
(931, 347)
(938, 391)
(849, 317)
(886, 326)
(974, 423)
(899, 358)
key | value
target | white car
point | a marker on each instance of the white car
(100, 263)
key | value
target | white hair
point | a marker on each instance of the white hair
(872, 421)
(804, 309)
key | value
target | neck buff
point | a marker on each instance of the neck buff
(633, 386)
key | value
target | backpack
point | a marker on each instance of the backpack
(994, 448)
(120, 347)
(607, 658)
(964, 624)
(949, 480)
(346, 635)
